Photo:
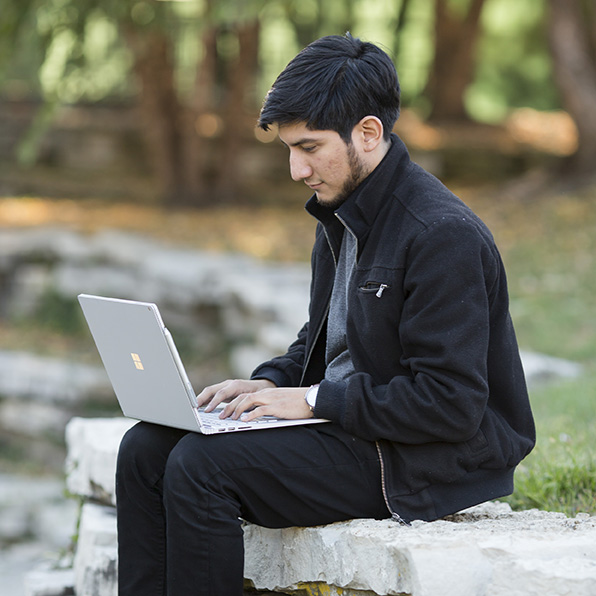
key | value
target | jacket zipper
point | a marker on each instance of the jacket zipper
(394, 516)
(330, 247)
(316, 337)
(314, 343)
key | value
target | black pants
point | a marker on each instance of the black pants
(181, 496)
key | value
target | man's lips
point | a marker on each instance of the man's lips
(314, 186)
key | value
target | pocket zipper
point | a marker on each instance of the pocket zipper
(373, 286)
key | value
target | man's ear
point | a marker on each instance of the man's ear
(370, 132)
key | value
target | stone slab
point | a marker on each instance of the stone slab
(49, 581)
(96, 558)
(92, 446)
(488, 550)
(485, 551)
(27, 376)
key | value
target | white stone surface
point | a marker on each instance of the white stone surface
(18, 562)
(96, 559)
(92, 446)
(35, 508)
(540, 369)
(49, 581)
(27, 376)
(36, 524)
(488, 550)
(485, 551)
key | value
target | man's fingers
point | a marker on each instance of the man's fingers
(281, 402)
(229, 390)
(242, 402)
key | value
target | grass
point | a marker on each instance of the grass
(560, 474)
(549, 248)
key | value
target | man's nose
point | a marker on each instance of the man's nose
(299, 168)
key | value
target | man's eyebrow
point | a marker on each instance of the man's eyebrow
(303, 141)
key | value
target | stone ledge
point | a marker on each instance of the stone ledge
(484, 550)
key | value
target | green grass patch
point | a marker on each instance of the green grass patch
(560, 474)
(549, 249)
(550, 255)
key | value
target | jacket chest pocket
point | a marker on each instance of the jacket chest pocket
(376, 296)
(374, 287)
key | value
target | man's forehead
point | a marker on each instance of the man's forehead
(299, 134)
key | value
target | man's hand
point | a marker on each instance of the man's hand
(251, 399)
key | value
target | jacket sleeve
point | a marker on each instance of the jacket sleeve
(439, 390)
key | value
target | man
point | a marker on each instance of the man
(409, 351)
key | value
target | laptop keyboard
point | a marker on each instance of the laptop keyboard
(211, 420)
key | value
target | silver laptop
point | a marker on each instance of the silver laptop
(146, 372)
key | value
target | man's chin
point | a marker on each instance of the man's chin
(333, 202)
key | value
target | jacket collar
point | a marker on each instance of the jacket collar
(361, 208)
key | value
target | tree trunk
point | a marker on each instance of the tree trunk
(196, 160)
(575, 75)
(453, 66)
(399, 29)
(160, 111)
(240, 78)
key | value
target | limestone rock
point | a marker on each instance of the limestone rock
(91, 458)
(487, 550)
(96, 559)
(51, 380)
(48, 581)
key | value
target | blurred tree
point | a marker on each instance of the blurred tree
(197, 69)
(457, 28)
(176, 124)
(312, 19)
(513, 64)
(402, 15)
(14, 16)
(572, 35)
(177, 128)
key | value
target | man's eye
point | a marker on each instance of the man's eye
(308, 148)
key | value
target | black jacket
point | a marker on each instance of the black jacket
(439, 383)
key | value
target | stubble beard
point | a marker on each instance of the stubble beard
(358, 172)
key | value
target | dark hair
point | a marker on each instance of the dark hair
(332, 84)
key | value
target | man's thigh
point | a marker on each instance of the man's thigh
(295, 476)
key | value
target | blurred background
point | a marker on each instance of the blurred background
(130, 164)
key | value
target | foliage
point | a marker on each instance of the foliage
(513, 62)
(59, 314)
(549, 249)
(198, 69)
(77, 47)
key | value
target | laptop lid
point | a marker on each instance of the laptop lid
(132, 342)
(146, 372)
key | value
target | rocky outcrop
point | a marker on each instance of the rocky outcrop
(488, 549)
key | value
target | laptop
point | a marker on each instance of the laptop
(147, 374)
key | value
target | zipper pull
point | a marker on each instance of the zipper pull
(396, 518)
(381, 290)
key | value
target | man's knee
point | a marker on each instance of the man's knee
(199, 462)
(145, 448)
